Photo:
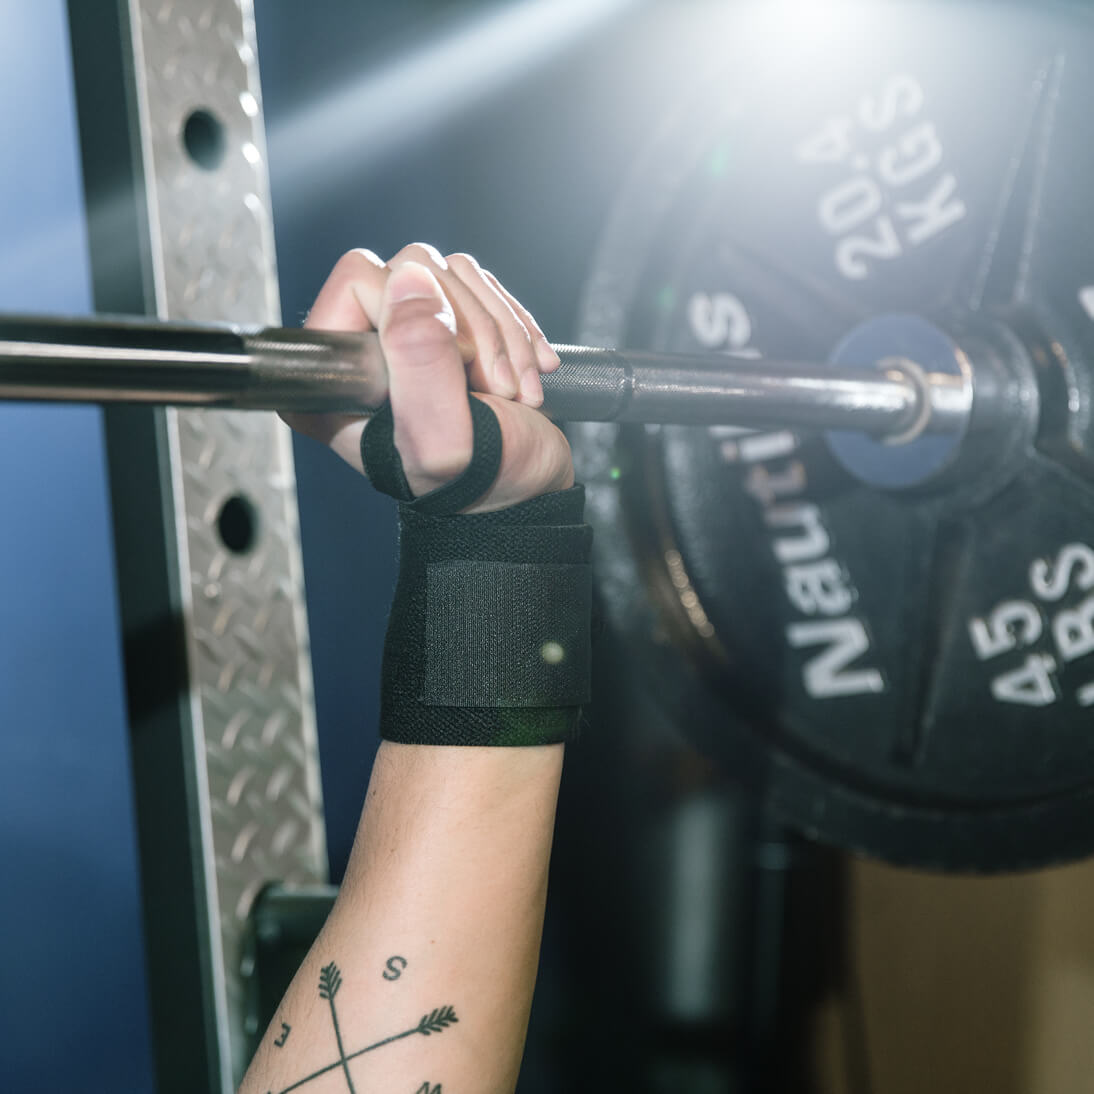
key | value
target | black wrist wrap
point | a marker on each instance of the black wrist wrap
(488, 640)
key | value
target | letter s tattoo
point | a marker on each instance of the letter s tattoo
(395, 966)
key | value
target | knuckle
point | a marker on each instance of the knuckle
(492, 280)
(462, 260)
(519, 340)
(424, 253)
(357, 261)
(489, 341)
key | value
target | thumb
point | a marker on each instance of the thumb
(427, 380)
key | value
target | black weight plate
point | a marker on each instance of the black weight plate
(907, 673)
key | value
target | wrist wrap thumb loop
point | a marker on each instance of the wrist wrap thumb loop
(384, 466)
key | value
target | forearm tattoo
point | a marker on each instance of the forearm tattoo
(330, 982)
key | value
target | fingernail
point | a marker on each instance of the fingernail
(504, 376)
(548, 359)
(531, 390)
(412, 282)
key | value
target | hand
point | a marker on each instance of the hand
(445, 325)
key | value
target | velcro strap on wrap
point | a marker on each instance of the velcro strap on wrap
(488, 639)
(507, 634)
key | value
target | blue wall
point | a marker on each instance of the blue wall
(72, 992)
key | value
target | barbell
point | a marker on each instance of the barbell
(225, 367)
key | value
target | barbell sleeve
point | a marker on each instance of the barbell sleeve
(296, 370)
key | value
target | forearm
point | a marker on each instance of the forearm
(448, 874)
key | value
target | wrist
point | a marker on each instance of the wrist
(457, 778)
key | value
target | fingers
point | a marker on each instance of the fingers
(527, 347)
(503, 360)
(501, 341)
(426, 378)
(350, 299)
(490, 367)
(444, 324)
(545, 354)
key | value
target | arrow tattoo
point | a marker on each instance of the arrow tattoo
(330, 980)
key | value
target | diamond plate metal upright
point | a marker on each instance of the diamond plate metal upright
(218, 677)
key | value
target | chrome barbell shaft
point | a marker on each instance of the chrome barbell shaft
(131, 361)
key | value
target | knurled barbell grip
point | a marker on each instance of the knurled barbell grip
(716, 389)
(122, 360)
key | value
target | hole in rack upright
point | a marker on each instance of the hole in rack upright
(205, 139)
(237, 524)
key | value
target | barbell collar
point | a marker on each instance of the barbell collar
(303, 371)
